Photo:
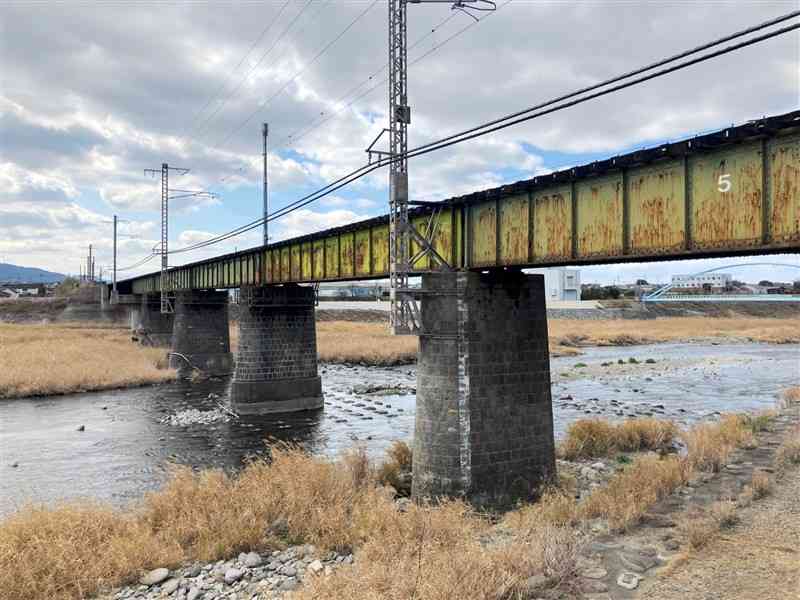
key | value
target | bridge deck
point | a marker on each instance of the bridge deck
(732, 192)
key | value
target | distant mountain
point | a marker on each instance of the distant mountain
(15, 274)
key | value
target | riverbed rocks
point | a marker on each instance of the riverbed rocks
(154, 577)
(249, 576)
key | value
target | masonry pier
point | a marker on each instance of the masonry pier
(484, 420)
(152, 327)
(276, 362)
(200, 334)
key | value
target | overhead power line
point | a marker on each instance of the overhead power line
(527, 115)
(203, 126)
(224, 84)
(296, 75)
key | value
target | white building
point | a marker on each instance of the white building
(560, 284)
(715, 280)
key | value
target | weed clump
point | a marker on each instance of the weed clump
(588, 438)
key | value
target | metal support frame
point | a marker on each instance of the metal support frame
(265, 133)
(404, 314)
(167, 299)
(167, 306)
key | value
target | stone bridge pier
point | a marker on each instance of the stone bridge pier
(149, 326)
(484, 421)
(200, 334)
(276, 362)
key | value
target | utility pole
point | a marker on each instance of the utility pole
(114, 274)
(404, 311)
(167, 305)
(89, 270)
(265, 133)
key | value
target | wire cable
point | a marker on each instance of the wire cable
(207, 121)
(512, 120)
(296, 75)
(224, 84)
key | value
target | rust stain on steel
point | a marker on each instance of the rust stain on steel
(732, 218)
(348, 256)
(514, 230)
(380, 250)
(295, 263)
(318, 260)
(483, 234)
(443, 239)
(599, 218)
(285, 275)
(305, 269)
(552, 224)
(422, 264)
(362, 252)
(268, 263)
(784, 161)
(331, 257)
(657, 208)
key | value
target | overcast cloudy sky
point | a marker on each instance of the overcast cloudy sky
(92, 93)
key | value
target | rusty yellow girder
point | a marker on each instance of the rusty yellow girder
(732, 192)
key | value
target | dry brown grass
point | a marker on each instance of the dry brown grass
(708, 445)
(791, 396)
(71, 551)
(65, 552)
(396, 470)
(588, 438)
(761, 484)
(55, 359)
(615, 332)
(789, 451)
(437, 554)
(629, 494)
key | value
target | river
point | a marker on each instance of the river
(129, 437)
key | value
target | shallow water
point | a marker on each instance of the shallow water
(128, 440)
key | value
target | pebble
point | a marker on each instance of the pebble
(170, 586)
(233, 575)
(271, 576)
(629, 581)
(155, 576)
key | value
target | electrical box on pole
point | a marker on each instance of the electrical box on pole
(404, 311)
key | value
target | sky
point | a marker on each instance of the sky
(93, 93)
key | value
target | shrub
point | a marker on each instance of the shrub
(396, 471)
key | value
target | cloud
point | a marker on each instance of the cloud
(89, 100)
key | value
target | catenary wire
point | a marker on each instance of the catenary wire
(498, 124)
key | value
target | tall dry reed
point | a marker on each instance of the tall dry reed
(51, 359)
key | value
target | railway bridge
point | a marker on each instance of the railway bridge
(484, 426)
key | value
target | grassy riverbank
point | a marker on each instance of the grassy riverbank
(59, 359)
(428, 552)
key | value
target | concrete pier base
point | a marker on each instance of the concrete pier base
(153, 328)
(276, 363)
(484, 421)
(200, 334)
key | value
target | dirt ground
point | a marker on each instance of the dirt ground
(757, 560)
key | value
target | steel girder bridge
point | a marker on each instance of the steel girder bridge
(733, 192)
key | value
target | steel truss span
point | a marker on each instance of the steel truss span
(732, 192)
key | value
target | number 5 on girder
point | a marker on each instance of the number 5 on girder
(724, 183)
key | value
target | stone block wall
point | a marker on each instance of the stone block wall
(484, 423)
(201, 334)
(276, 362)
